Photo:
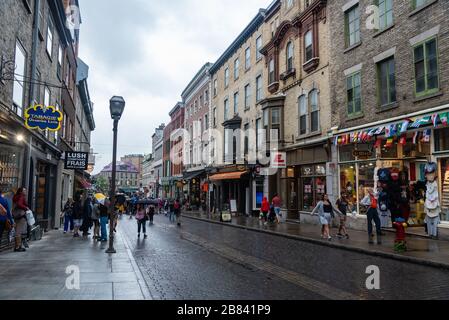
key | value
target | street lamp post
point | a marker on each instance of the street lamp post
(116, 106)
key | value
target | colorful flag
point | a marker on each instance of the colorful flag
(378, 143)
(403, 140)
(426, 135)
(372, 132)
(435, 119)
(415, 137)
(404, 126)
(379, 131)
(444, 118)
(389, 143)
(387, 131)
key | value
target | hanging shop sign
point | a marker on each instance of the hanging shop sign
(76, 160)
(43, 118)
(362, 154)
(396, 131)
(279, 160)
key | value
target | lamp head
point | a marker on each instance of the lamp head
(116, 106)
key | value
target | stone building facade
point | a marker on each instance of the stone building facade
(39, 66)
(298, 105)
(196, 98)
(237, 86)
(390, 81)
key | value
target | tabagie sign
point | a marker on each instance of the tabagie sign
(76, 160)
(43, 118)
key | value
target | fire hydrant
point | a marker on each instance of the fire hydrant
(400, 243)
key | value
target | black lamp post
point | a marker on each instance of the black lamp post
(116, 106)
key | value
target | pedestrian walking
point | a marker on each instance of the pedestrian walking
(325, 211)
(171, 210)
(96, 219)
(265, 209)
(151, 211)
(276, 202)
(87, 217)
(19, 214)
(177, 211)
(343, 207)
(77, 213)
(371, 202)
(104, 215)
(6, 220)
(142, 219)
(67, 215)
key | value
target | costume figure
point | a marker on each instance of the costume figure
(394, 192)
(432, 204)
(383, 207)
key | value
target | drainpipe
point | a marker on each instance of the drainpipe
(35, 41)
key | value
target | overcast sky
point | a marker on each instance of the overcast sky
(148, 51)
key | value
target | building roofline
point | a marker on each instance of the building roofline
(196, 79)
(255, 23)
(178, 105)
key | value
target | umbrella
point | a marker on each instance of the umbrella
(100, 197)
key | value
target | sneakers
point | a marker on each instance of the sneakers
(19, 250)
(25, 244)
(138, 236)
(339, 236)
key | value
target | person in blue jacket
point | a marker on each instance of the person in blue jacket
(4, 216)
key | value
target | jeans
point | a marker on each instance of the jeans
(2, 229)
(142, 224)
(172, 217)
(68, 220)
(151, 218)
(104, 229)
(178, 218)
(372, 214)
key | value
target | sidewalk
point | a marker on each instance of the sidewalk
(420, 250)
(40, 273)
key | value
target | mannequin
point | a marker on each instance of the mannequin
(432, 204)
(394, 192)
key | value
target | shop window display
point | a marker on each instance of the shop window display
(313, 180)
(444, 176)
(10, 173)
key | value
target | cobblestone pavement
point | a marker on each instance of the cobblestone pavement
(209, 261)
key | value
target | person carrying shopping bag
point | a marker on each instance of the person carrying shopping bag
(19, 214)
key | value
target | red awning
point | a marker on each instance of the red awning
(228, 176)
(84, 183)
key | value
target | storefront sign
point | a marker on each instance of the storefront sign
(279, 160)
(43, 118)
(76, 160)
(362, 154)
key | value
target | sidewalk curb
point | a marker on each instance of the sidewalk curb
(144, 288)
(330, 244)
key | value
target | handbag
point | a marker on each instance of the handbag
(8, 225)
(30, 218)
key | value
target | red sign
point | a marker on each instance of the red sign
(279, 160)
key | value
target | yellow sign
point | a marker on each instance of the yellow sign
(43, 118)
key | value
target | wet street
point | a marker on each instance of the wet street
(210, 261)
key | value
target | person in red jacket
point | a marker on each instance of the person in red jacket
(265, 209)
(19, 214)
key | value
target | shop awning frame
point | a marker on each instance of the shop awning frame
(236, 175)
(194, 174)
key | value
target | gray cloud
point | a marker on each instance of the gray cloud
(148, 51)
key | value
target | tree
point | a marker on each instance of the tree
(102, 184)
